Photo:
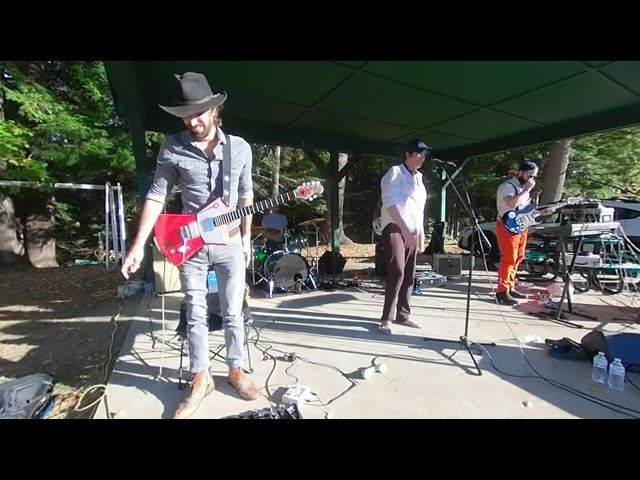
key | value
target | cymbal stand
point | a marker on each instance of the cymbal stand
(316, 264)
(253, 263)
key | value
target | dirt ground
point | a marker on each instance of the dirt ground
(61, 321)
(58, 321)
(358, 252)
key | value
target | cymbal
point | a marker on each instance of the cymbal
(265, 231)
(311, 222)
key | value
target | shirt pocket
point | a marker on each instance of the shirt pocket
(193, 173)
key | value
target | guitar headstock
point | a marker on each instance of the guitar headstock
(309, 190)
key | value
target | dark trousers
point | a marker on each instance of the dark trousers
(401, 270)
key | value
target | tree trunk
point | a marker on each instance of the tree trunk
(556, 172)
(40, 235)
(11, 249)
(343, 158)
(275, 174)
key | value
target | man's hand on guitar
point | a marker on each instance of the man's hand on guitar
(548, 210)
(132, 261)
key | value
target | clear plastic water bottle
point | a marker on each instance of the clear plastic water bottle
(599, 371)
(616, 375)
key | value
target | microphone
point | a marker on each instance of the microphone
(443, 162)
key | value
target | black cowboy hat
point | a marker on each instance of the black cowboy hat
(191, 94)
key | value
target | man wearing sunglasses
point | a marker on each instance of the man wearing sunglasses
(513, 193)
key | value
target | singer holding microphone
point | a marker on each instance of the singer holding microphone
(404, 196)
(513, 193)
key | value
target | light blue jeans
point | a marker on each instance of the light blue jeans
(228, 263)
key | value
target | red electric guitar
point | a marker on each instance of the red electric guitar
(180, 237)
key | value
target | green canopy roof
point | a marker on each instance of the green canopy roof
(461, 108)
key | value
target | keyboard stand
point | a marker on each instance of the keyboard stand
(560, 316)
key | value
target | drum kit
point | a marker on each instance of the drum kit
(278, 260)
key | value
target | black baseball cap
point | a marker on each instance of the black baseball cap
(417, 146)
(527, 166)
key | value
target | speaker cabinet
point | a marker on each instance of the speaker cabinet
(166, 276)
(449, 265)
(622, 345)
(325, 263)
(436, 245)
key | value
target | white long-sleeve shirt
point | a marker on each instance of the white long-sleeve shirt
(408, 192)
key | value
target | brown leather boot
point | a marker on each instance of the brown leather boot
(199, 386)
(245, 386)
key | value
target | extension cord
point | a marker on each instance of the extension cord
(296, 396)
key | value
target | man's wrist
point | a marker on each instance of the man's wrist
(138, 245)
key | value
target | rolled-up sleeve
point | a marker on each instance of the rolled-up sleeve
(164, 177)
(391, 187)
(245, 182)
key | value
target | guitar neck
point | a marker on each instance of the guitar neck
(555, 205)
(257, 207)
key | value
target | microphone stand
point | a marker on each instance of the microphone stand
(464, 341)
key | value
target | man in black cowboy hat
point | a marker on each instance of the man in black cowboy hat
(196, 159)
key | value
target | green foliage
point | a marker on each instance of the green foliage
(72, 128)
(295, 168)
(60, 126)
(606, 165)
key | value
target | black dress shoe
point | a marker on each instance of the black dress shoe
(516, 294)
(504, 298)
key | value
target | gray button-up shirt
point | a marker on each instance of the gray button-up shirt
(200, 178)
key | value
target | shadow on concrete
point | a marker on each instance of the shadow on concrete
(565, 384)
(293, 315)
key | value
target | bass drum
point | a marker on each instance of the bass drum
(285, 269)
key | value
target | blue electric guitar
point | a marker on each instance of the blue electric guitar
(521, 219)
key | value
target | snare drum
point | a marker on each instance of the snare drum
(285, 269)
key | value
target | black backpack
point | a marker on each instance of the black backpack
(25, 397)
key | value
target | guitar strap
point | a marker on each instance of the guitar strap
(226, 170)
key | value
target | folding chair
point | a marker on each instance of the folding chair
(215, 325)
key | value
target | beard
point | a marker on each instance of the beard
(202, 132)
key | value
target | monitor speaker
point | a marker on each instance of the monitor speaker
(436, 245)
(325, 263)
(622, 345)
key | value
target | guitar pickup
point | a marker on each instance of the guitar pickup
(185, 233)
(207, 224)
